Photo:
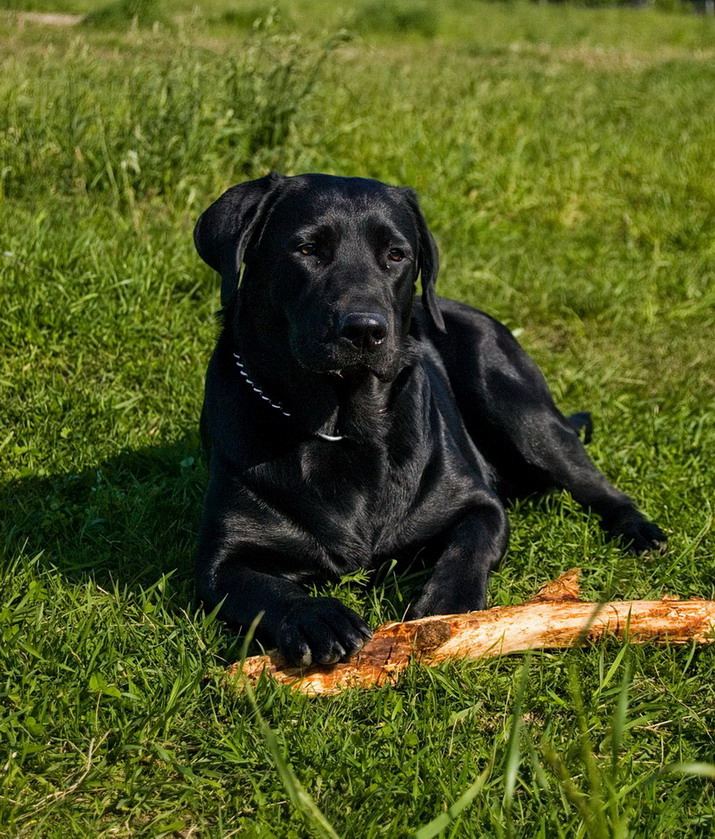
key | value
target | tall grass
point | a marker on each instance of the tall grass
(232, 113)
(397, 17)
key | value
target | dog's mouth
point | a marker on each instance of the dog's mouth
(342, 360)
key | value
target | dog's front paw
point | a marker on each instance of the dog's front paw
(320, 630)
(436, 601)
(637, 534)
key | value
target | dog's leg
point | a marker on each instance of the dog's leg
(318, 630)
(463, 558)
(510, 413)
(560, 459)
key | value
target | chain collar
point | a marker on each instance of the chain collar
(277, 405)
(254, 387)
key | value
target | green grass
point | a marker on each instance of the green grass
(563, 159)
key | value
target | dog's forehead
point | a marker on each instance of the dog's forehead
(340, 204)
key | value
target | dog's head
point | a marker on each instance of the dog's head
(330, 265)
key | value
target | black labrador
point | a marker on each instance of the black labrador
(347, 422)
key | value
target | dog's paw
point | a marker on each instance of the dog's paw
(435, 601)
(638, 535)
(320, 630)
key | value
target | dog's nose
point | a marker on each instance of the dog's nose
(366, 330)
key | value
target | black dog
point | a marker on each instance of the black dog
(347, 423)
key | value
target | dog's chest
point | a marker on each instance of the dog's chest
(361, 488)
(382, 491)
(358, 501)
(347, 498)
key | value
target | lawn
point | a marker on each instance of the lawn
(564, 161)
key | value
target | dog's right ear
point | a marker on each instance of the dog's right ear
(224, 231)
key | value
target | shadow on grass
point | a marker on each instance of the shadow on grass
(127, 521)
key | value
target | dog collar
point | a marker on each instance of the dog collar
(254, 387)
(331, 438)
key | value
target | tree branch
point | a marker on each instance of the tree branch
(554, 618)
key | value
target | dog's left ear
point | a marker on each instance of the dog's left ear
(224, 231)
(428, 261)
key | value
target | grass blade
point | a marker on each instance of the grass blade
(443, 821)
(703, 770)
(513, 749)
(299, 796)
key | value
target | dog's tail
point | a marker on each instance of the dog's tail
(582, 422)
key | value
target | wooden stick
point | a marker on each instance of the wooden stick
(554, 618)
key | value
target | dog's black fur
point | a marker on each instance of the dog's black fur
(439, 412)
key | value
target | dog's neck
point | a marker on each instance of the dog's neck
(329, 406)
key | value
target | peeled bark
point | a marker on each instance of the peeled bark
(554, 618)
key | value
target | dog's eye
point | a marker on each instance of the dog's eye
(307, 249)
(395, 255)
